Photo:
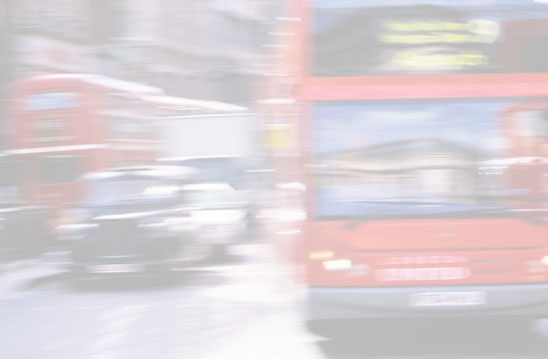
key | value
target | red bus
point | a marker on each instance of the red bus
(424, 147)
(67, 125)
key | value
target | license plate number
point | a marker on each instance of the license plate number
(441, 299)
(115, 268)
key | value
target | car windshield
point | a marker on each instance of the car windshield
(121, 190)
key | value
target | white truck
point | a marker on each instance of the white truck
(224, 148)
(234, 135)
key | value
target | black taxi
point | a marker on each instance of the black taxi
(133, 220)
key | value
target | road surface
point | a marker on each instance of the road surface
(244, 308)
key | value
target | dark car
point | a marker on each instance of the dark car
(132, 221)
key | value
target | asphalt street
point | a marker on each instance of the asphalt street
(243, 308)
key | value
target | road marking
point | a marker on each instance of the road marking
(41, 308)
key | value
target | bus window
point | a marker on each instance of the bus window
(52, 101)
(60, 169)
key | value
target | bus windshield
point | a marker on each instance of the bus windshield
(419, 158)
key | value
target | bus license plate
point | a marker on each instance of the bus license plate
(440, 299)
(115, 268)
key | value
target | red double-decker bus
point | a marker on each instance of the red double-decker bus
(67, 125)
(424, 142)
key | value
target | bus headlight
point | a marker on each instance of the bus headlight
(337, 264)
(321, 254)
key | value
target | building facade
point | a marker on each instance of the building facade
(203, 49)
